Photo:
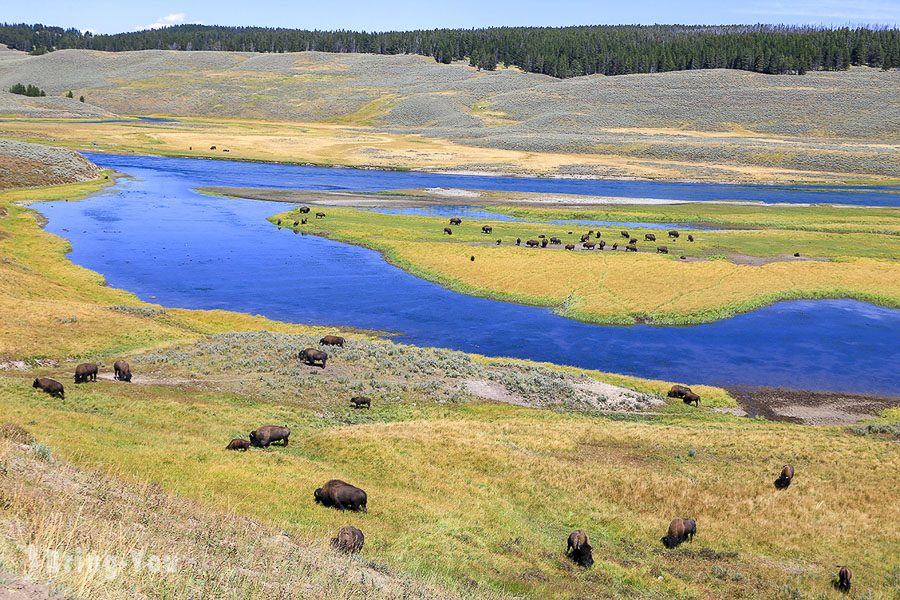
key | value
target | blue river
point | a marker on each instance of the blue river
(157, 237)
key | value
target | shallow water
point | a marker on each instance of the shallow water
(158, 238)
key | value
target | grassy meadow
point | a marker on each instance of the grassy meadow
(855, 257)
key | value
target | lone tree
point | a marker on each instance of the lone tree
(81, 98)
(70, 94)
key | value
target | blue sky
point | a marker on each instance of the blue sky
(107, 16)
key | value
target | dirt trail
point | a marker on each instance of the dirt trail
(810, 408)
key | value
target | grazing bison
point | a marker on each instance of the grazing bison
(278, 223)
(311, 356)
(499, 242)
(472, 258)
(602, 244)
(448, 231)
(122, 371)
(598, 235)
(677, 533)
(269, 434)
(632, 241)
(332, 340)
(585, 237)
(341, 495)
(304, 209)
(662, 249)
(486, 228)
(615, 246)
(320, 215)
(238, 444)
(579, 548)
(843, 580)
(690, 238)
(296, 223)
(303, 221)
(784, 480)
(796, 255)
(678, 391)
(649, 237)
(555, 240)
(630, 248)
(532, 243)
(518, 241)
(212, 147)
(690, 397)
(349, 540)
(588, 245)
(674, 234)
(570, 246)
(85, 372)
(544, 243)
(456, 221)
(50, 386)
(361, 401)
(625, 234)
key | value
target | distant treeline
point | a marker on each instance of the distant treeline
(556, 51)
(27, 90)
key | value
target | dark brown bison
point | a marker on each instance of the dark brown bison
(50, 386)
(238, 444)
(320, 215)
(361, 401)
(632, 241)
(625, 234)
(304, 209)
(349, 540)
(341, 495)
(544, 243)
(649, 237)
(269, 434)
(212, 147)
(303, 221)
(674, 234)
(278, 223)
(630, 248)
(585, 237)
(570, 246)
(332, 340)
(588, 245)
(796, 255)
(555, 240)
(602, 244)
(679, 531)
(122, 371)
(843, 579)
(615, 246)
(448, 231)
(296, 223)
(662, 249)
(486, 228)
(472, 258)
(85, 372)
(678, 391)
(598, 235)
(456, 221)
(518, 241)
(691, 397)
(690, 238)
(499, 242)
(311, 356)
(784, 480)
(532, 243)
(579, 548)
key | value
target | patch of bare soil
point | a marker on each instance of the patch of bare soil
(758, 261)
(590, 395)
(808, 407)
(12, 588)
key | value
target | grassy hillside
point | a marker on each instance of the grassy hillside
(724, 272)
(712, 124)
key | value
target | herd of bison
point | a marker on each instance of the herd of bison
(344, 496)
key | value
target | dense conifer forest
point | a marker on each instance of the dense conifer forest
(556, 51)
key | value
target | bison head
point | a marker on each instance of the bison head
(253, 437)
(36, 384)
(670, 541)
(318, 495)
(584, 556)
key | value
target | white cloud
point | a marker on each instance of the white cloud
(166, 21)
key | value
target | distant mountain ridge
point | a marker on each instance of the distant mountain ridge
(556, 51)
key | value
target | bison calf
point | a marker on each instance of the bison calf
(784, 480)
(311, 356)
(360, 401)
(239, 444)
(85, 372)
(349, 540)
(122, 371)
(342, 496)
(579, 548)
(50, 386)
(269, 434)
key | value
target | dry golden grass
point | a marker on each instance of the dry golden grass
(348, 142)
